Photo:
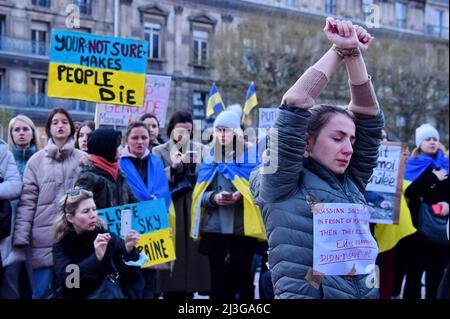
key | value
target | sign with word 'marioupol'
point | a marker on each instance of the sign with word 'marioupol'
(98, 69)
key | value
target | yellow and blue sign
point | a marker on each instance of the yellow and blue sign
(98, 69)
(150, 220)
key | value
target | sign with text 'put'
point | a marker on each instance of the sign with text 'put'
(98, 69)
(150, 220)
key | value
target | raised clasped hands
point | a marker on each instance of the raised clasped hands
(345, 35)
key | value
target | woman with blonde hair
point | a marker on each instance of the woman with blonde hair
(82, 239)
(22, 140)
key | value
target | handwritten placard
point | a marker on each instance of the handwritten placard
(343, 244)
(150, 220)
(98, 69)
(267, 117)
(383, 192)
(157, 91)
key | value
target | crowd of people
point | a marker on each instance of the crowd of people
(224, 210)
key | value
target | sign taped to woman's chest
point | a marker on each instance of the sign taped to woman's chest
(343, 244)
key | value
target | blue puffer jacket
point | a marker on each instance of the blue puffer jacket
(287, 216)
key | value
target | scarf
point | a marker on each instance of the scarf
(415, 166)
(111, 168)
(238, 173)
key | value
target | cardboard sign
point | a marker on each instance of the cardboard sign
(150, 220)
(157, 91)
(384, 190)
(267, 117)
(98, 69)
(343, 244)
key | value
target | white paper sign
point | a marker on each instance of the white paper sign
(384, 177)
(343, 244)
(156, 101)
(267, 117)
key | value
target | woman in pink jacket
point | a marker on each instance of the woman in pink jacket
(48, 175)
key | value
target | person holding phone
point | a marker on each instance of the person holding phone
(82, 239)
(146, 177)
(231, 223)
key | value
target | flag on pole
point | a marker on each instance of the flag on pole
(215, 103)
(250, 101)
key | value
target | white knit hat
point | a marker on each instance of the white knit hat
(425, 131)
(230, 118)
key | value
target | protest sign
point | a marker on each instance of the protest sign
(98, 69)
(157, 89)
(384, 190)
(267, 117)
(150, 220)
(343, 244)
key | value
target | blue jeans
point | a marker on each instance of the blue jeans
(42, 282)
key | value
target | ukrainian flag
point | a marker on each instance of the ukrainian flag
(239, 175)
(250, 100)
(215, 103)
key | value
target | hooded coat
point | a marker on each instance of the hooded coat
(49, 174)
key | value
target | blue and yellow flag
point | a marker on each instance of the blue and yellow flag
(250, 100)
(215, 103)
(239, 174)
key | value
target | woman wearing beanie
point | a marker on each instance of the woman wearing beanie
(101, 174)
(427, 172)
(224, 215)
(48, 175)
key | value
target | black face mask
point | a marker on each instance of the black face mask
(104, 142)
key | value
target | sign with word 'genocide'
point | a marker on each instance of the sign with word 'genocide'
(384, 190)
(157, 89)
(343, 244)
(98, 69)
(150, 220)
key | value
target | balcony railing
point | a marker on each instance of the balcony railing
(40, 102)
(437, 31)
(23, 46)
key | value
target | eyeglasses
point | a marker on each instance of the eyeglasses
(75, 191)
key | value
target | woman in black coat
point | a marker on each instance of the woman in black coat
(85, 252)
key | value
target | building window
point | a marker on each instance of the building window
(38, 89)
(2, 31)
(291, 3)
(366, 8)
(249, 58)
(330, 6)
(152, 34)
(2, 80)
(84, 5)
(39, 37)
(400, 15)
(200, 43)
(41, 3)
(199, 104)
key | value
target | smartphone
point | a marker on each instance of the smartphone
(125, 222)
(437, 209)
(227, 196)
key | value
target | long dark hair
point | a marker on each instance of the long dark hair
(89, 124)
(179, 117)
(152, 116)
(55, 111)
